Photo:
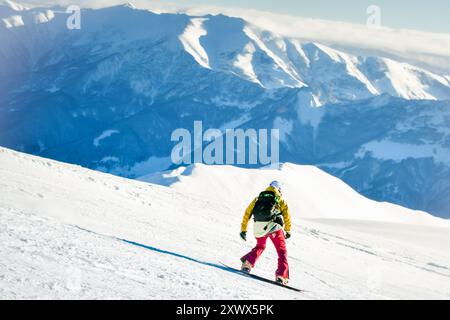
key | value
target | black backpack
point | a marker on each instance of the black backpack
(266, 207)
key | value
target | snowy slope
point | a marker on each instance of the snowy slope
(62, 230)
(306, 187)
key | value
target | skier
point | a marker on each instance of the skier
(270, 213)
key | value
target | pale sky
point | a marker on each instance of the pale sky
(429, 15)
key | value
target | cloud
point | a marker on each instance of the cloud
(426, 49)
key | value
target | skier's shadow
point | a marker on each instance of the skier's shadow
(178, 255)
(171, 253)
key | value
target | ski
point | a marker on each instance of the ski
(252, 276)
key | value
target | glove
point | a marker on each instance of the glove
(288, 234)
(243, 235)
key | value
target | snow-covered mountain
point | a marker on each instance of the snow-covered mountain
(218, 43)
(109, 95)
(69, 232)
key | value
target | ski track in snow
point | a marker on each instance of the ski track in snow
(72, 233)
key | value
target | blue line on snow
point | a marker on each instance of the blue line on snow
(178, 255)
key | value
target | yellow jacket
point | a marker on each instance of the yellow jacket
(283, 208)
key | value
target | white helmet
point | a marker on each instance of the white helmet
(277, 185)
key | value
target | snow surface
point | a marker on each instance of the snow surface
(244, 63)
(399, 151)
(191, 41)
(13, 5)
(406, 80)
(69, 232)
(105, 134)
(13, 21)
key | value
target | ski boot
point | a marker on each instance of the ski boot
(281, 280)
(246, 267)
